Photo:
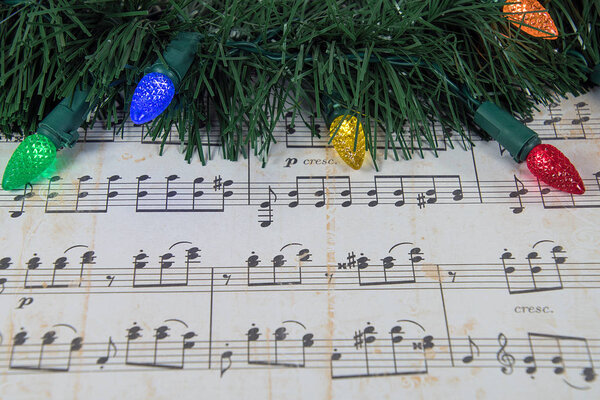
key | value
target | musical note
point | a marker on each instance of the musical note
(583, 116)
(289, 127)
(110, 194)
(263, 354)
(4, 264)
(552, 120)
(432, 193)
(81, 193)
(346, 193)
(169, 274)
(370, 357)
(391, 187)
(390, 272)
(140, 194)
(535, 279)
(49, 278)
(61, 354)
(196, 193)
(226, 355)
(469, 358)
(104, 359)
(87, 196)
(160, 334)
(280, 272)
(314, 192)
(169, 193)
(520, 191)
(457, 194)
(50, 195)
(265, 213)
(307, 342)
(549, 349)
(175, 195)
(27, 194)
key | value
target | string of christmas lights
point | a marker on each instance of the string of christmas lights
(163, 80)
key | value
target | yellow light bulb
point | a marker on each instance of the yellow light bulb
(344, 127)
(532, 18)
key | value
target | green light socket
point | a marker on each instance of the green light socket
(332, 109)
(178, 56)
(515, 137)
(61, 124)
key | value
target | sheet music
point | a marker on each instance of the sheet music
(125, 274)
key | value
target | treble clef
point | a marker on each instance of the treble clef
(506, 359)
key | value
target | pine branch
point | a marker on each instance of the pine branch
(396, 63)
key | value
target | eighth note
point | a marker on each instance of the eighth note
(468, 359)
(104, 359)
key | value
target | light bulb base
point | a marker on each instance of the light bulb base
(177, 57)
(595, 75)
(61, 124)
(332, 109)
(515, 137)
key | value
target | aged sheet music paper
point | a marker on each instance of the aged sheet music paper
(124, 274)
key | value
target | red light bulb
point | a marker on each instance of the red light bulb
(553, 168)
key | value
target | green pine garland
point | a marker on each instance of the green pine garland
(396, 62)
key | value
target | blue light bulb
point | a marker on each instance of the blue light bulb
(152, 96)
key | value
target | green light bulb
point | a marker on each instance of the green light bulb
(29, 160)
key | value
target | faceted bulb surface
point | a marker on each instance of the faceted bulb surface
(532, 18)
(345, 129)
(152, 96)
(32, 157)
(553, 168)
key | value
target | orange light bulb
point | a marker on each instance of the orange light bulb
(532, 18)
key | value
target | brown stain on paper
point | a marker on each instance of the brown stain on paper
(331, 264)
(431, 271)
